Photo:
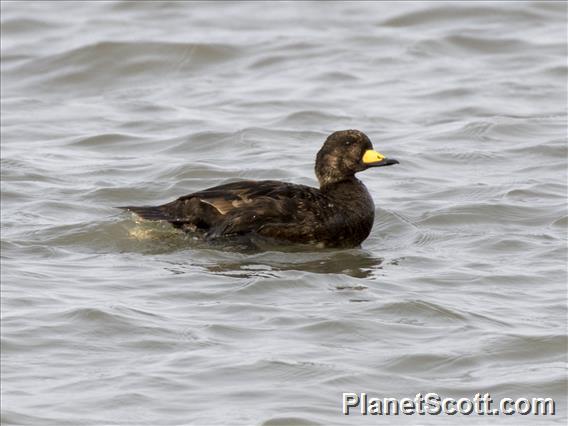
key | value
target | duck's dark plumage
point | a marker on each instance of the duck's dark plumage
(338, 214)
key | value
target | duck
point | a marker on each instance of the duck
(338, 214)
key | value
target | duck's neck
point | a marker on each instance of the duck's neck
(352, 209)
(331, 185)
(350, 189)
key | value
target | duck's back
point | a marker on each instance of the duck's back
(272, 209)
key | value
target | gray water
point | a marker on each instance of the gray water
(460, 289)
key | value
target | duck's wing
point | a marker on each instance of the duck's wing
(237, 207)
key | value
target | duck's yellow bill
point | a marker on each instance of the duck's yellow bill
(372, 156)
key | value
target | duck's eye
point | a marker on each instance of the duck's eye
(348, 143)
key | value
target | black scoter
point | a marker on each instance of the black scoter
(338, 214)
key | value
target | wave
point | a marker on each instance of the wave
(454, 14)
(108, 64)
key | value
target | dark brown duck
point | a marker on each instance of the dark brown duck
(338, 214)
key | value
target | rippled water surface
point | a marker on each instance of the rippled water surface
(460, 289)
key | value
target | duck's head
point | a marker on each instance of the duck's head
(345, 153)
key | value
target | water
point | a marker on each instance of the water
(460, 289)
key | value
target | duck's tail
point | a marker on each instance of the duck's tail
(147, 212)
